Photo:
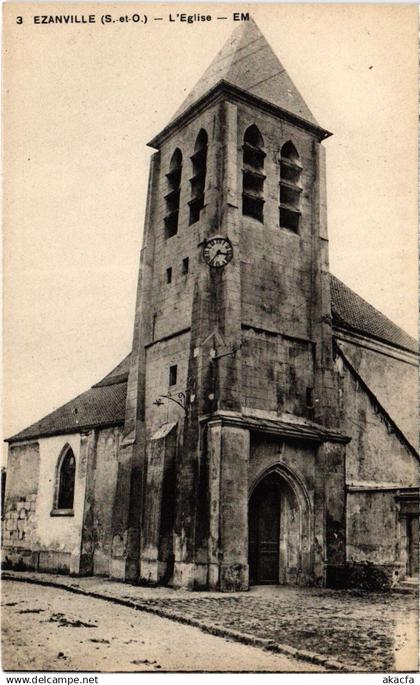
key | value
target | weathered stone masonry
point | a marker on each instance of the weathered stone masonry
(253, 435)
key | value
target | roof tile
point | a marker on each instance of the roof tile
(98, 406)
(353, 312)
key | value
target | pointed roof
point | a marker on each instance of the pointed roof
(248, 62)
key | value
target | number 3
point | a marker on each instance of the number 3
(19, 20)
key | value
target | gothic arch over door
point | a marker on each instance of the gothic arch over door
(279, 530)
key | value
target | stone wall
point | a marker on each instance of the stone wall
(159, 503)
(20, 510)
(105, 478)
(299, 457)
(277, 262)
(171, 303)
(58, 538)
(285, 300)
(369, 514)
(378, 464)
(20, 523)
(35, 534)
(375, 453)
(160, 357)
(277, 373)
(392, 375)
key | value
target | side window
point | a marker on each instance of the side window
(253, 176)
(65, 478)
(198, 180)
(173, 375)
(290, 187)
(172, 196)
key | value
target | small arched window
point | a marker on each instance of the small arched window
(290, 187)
(65, 478)
(172, 197)
(253, 176)
(198, 180)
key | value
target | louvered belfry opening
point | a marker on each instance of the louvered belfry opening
(172, 196)
(290, 187)
(198, 179)
(253, 176)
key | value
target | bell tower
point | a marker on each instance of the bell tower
(231, 366)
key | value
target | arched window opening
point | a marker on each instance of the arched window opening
(253, 176)
(172, 196)
(66, 471)
(198, 180)
(290, 188)
(254, 138)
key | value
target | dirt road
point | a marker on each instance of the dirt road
(50, 629)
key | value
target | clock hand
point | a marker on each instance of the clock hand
(216, 255)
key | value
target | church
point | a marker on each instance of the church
(263, 428)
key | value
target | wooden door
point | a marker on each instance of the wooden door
(264, 534)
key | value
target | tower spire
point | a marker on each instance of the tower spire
(248, 62)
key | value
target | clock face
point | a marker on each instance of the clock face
(218, 251)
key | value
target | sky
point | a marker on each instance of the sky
(80, 103)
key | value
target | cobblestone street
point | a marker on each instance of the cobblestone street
(366, 631)
(369, 633)
(48, 629)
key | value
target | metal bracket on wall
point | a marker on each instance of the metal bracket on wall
(220, 342)
(232, 351)
(181, 401)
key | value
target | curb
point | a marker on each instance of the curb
(212, 629)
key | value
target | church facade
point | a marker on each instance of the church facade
(263, 428)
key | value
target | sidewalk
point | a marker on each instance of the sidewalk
(347, 631)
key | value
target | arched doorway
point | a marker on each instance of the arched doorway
(279, 530)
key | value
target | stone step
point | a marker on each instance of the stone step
(408, 586)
